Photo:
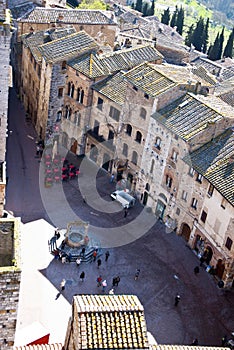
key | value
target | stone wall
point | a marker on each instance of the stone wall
(9, 297)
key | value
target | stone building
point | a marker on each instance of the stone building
(6, 82)
(212, 227)
(79, 111)
(106, 321)
(44, 72)
(177, 192)
(10, 275)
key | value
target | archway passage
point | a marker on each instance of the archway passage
(208, 253)
(185, 231)
(220, 268)
(106, 161)
(145, 198)
(74, 147)
(160, 209)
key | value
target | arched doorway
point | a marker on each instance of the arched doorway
(220, 268)
(208, 253)
(106, 161)
(160, 209)
(185, 231)
(73, 148)
(145, 198)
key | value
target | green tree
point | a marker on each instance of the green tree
(92, 5)
(189, 37)
(198, 34)
(180, 21)
(213, 51)
(145, 9)
(205, 38)
(165, 18)
(151, 9)
(228, 50)
(221, 40)
(174, 17)
(138, 6)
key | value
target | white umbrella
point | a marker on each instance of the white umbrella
(55, 149)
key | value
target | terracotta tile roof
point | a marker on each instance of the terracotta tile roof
(96, 66)
(71, 16)
(114, 87)
(189, 115)
(109, 321)
(55, 346)
(209, 65)
(34, 40)
(182, 74)
(148, 78)
(185, 347)
(215, 161)
(67, 47)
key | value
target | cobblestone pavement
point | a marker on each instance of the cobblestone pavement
(205, 312)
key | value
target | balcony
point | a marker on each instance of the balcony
(101, 140)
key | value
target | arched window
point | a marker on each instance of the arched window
(138, 137)
(59, 116)
(129, 129)
(168, 181)
(77, 118)
(152, 166)
(68, 113)
(64, 65)
(125, 150)
(147, 187)
(69, 88)
(143, 113)
(134, 157)
(80, 95)
(72, 90)
(158, 142)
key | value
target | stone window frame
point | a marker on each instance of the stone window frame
(143, 113)
(134, 157)
(194, 203)
(125, 150)
(128, 129)
(158, 143)
(138, 136)
(228, 243)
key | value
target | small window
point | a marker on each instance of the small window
(184, 195)
(210, 190)
(114, 113)
(143, 113)
(199, 178)
(125, 150)
(60, 92)
(158, 143)
(64, 65)
(147, 187)
(203, 216)
(178, 211)
(146, 96)
(152, 166)
(228, 243)
(135, 88)
(191, 171)
(168, 181)
(129, 130)
(138, 137)
(134, 157)
(100, 103)
(174, 156)
(194, 203)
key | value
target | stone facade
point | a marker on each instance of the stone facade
(10, 276)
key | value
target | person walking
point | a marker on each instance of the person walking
(194, 342)
(62, 284)
(99, 280)
(99, 262)
(177, 299)
(107, 255)
(94, 255)
(82, 276)
(117, 280)
(78, 261)
(196, 270)
(104, 285)
(125, 212)
(112, 291)
(112, 178)
(114, 282)
(137, 273)
(83, 252)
